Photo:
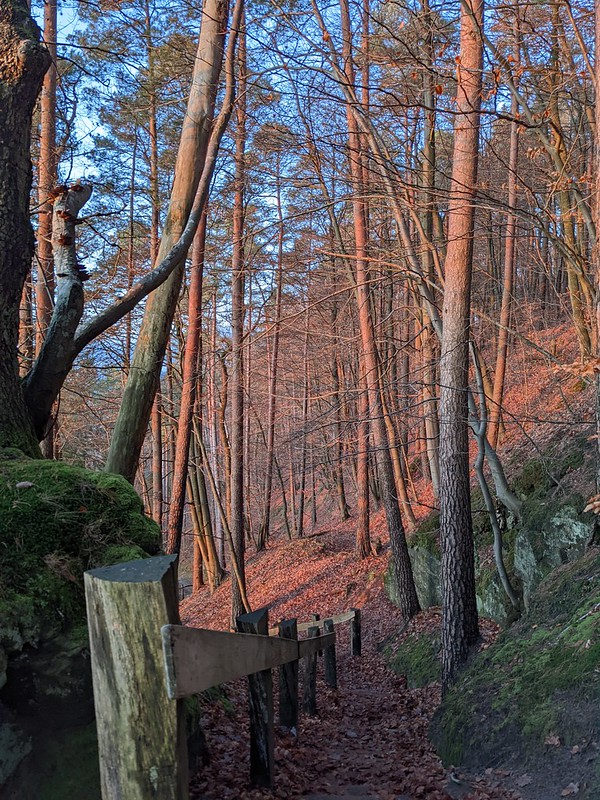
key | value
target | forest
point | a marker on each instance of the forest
(307, 294)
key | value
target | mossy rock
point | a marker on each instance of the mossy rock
(66, 766)
(56, 521)
(539, 679)
(418, 658)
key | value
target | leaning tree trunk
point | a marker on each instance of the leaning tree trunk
(23, 62)
(142, 382)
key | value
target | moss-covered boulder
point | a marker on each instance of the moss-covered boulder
(418, 658)
(538, 684)
(551, 533)
(56, 521)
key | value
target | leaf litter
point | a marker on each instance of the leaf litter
(369, 739)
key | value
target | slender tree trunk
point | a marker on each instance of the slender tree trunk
(509, 256)
(363, 536)
(189, 385)
(459, 609)
(401, 561)
(263, 532)
(236, 522)
(304, 445)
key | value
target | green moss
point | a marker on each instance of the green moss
(54, 776)
(427, 535)
(529, 682)
(534, 478)
(218, 694)
(56, 521)
(418, 658)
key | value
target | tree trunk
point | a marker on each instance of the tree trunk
(142, 383)
(459, 609)
(402, 569)
(189, 383)
(23, 62)
(236, 427)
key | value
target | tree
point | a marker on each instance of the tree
(23, 63)
(459, 608)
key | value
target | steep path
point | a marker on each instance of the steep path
(370, 738)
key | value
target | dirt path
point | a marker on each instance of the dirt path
(369, 741)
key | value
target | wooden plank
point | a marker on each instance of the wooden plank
(141, 733)
(288, 681)
(338, 619)
(260, 699)
(196, 659)
(307, 647)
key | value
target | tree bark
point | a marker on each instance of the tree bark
(459, 608)
(23, 62)
(402, 569)
(142, 383)
(236, 427)
(189, 384)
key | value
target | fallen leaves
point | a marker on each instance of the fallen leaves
(373, 730)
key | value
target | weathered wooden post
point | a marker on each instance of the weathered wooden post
(260, 695)
(329, 660)
(309, 703)
(355, 633)
(141, 732)
(317, 618)
(288, 680)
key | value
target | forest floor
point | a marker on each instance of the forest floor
(369, 740)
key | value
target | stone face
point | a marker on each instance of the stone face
(52, 681)
(560, 539)
(491, 601)
(15, 745)
(427, 570)
(56, 520)
(548, 536)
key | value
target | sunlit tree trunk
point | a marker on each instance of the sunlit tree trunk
(459, 609)
(47, 180)
(236, 427)
(402, 569)
(189, 385)
(263, 532)
(509, 256)
(142, 383)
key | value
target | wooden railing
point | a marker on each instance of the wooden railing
(144, 663)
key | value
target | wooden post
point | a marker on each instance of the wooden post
(355, 633)
(288, 681)
(309, 703)
(329, 661)
(141, 733)
(260, 695)
(316, 618)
